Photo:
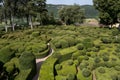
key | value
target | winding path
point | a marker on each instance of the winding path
(93, 75)
(39, 62)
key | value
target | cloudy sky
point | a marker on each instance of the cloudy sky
(68, 2)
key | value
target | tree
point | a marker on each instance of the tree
(8, 10)
(109, 11)
(21, 9)
(71, 14)
(42, 11)
(33, 8)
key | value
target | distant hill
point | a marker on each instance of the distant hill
(90, 11)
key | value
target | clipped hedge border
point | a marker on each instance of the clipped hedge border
(47, 72)
(43, 54)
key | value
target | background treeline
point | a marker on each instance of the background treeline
(32, 13)
(23, 11)
(90, 11)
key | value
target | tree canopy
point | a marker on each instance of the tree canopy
(28, 9)
(109, 10)
(71, 14)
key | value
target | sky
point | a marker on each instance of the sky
(70, 2)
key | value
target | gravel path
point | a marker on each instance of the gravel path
(40, 61)
(93, 75)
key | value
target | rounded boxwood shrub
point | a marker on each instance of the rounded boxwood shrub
(97, 46)
(86, 57)
(75, 55)
(80, 58)
(115, 32)
(94, 49)
(58, 67)
(57, 45)
(117, 68)
(64, 44)
(80, 47)
(70, 77)
(118, 77)
(106, 40)
(87, 43)
(35, 34)
(109, 64)
(97, 60)
(101, 70)
(116, 40)
(82, 66)
(83, 52)
(118, 49)
(9, 67)
(76, 62)
(71, 41)
(113, 59)
(106, 58)
(89, 49)
(78, 40)
(70, 62)
(114, 77)
(86, 72)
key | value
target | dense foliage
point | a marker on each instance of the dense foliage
(80, 52)
(109, 10)
(90, 11)
(71, 14)
(16, 10)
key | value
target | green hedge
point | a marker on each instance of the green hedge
(88, 43)
(81, 77)
(47, 69)
(27, 64)
(23, 75)
(101, 70)
(11, 65)
(65, 57)
(59, 77)
(71, 77)
(71, 41)
(6, 54)
(106, 40)
(80, 47)
(40, 50)
(86, 72)
(42, 54)
(75, 55)
(64, 44)
(35, 34)
(58, 67)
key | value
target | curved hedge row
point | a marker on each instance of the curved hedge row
(27, 66)
(47, 69)
(43, 54)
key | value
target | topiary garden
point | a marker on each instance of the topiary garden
(78, 52)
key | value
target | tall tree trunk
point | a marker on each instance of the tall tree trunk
(13, 24)
(40, 20)
(27, 18)
(5, 20)
(31, 24)
(6, 29)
